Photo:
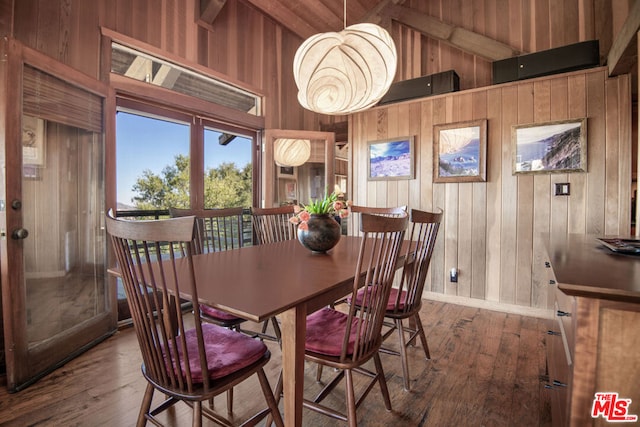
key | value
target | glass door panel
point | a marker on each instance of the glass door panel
(64, 254)
(56, 302)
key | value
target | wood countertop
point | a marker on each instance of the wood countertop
(583, 266)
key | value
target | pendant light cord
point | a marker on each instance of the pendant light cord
(345, 13)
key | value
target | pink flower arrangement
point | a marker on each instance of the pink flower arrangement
(331, 205)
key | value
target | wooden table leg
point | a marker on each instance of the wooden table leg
(294, 324)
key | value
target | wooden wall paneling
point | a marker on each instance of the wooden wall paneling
(404, 128)
(502, 21)
(358, 125)
(479, 213)
(612, 158)
(66, 30)
(577, 108)
(426, 188)
(84, 57)
(391, 187)
(140, 17)
(49, 31)
(187, 30)
(6, 28)
(124, 16)
(557, 30)
(494, 193)
(415, 126)
(542, 199)
(586, 18)
(463, 111)
(509, 198)
(440, 116)
(558, 111)
(166, 37)
(596, 133)
(25, 21)
(602, 25)
(379, 196)
(625, 161)
(516, 20)
(526, 105)
(451, 203)
(253, 59)
(425, 146)
(450, 231)
(372, 133)
(541, 29)
(236, 30)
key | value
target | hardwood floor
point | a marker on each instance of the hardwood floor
(484, 371)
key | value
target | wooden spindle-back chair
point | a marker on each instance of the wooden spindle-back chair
(406, 300)
(272, 224)
(183, 357)
(346, 341)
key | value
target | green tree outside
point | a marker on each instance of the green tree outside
(224, 186)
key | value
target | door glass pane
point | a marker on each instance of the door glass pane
(228, 172)
(63, 208)
(152, 157)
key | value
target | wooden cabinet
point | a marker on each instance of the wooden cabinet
(593, 342)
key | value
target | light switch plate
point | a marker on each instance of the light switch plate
(562, 189)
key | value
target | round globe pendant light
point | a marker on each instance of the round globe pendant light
(291, 152)
(345, 72)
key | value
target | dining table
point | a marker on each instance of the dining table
(284, 279)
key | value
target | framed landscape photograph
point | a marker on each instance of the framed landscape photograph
(391, 159)
(559, 146)
(459, 151)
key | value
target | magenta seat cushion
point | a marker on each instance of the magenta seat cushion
(216, 314)
(392, 298)
(227, 351)
(325, 332)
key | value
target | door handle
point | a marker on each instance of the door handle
(19, 234)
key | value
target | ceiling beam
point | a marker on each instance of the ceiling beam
(375, 14)
(623, 54)
(468, 41)
(209, 9)
(285, 16)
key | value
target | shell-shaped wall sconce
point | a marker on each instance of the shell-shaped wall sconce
(291, 152)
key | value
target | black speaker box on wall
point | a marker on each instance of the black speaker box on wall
(433, 84)
(558, 60)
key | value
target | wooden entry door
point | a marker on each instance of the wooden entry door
(56, 302)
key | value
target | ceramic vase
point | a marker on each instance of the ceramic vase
(323, 233)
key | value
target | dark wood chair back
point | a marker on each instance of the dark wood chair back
(155, 262)
(272, 224)
(424, 231)
(216, 229)
(392, 211)
(150, 285)
(382, 239)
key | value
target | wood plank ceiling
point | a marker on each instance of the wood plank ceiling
(308, 17)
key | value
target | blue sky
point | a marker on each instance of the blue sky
(395, 148)
(145, 143)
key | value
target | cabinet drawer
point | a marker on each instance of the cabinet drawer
(559, 371)
(564, 313)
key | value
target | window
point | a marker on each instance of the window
(152, 162)
(143, 67)
(228, 169)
